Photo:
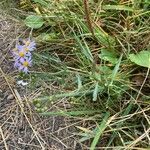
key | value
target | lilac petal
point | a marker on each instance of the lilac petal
(14, 53)
(32, 45)
(30, 64)
(29, 59)
(16, 64)
(22, 59)
(25, 69)
(17, 58)
(28, 54)
(20, 67)
(19, 47)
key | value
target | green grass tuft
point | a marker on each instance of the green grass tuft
(83, 52)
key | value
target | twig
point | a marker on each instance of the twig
(6, 147)
(142, 84)
(87, 15)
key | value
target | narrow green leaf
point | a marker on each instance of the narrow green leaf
(95, 93)
(71, 113)
(125, 112)
(114, 73)
(69, 94)
(117, 7)
(101, 128)
(104, 38)
(84, 48)
(79, 82)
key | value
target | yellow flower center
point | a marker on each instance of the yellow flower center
(25, 63)
(27, 43)
(21, 54)
(26, 49)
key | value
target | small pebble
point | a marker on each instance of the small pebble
(10, 97)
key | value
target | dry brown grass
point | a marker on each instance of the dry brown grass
(20, 126)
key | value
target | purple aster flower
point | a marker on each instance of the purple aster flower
(25, 63)
(21, 53)
(16, 63)
(29, 45)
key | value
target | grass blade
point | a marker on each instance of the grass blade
(95, 93)
(117, 7)
(116, 70)
(100, 131)
(70, 113)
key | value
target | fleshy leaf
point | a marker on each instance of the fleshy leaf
(108, 56)
(141, 59)
(33, 21)
(42, 2)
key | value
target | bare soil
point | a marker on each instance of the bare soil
(21, 128)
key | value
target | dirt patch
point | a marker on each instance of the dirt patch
(21, 128)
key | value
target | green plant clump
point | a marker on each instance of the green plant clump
(97, 54)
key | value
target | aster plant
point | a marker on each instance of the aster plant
(22, 54)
